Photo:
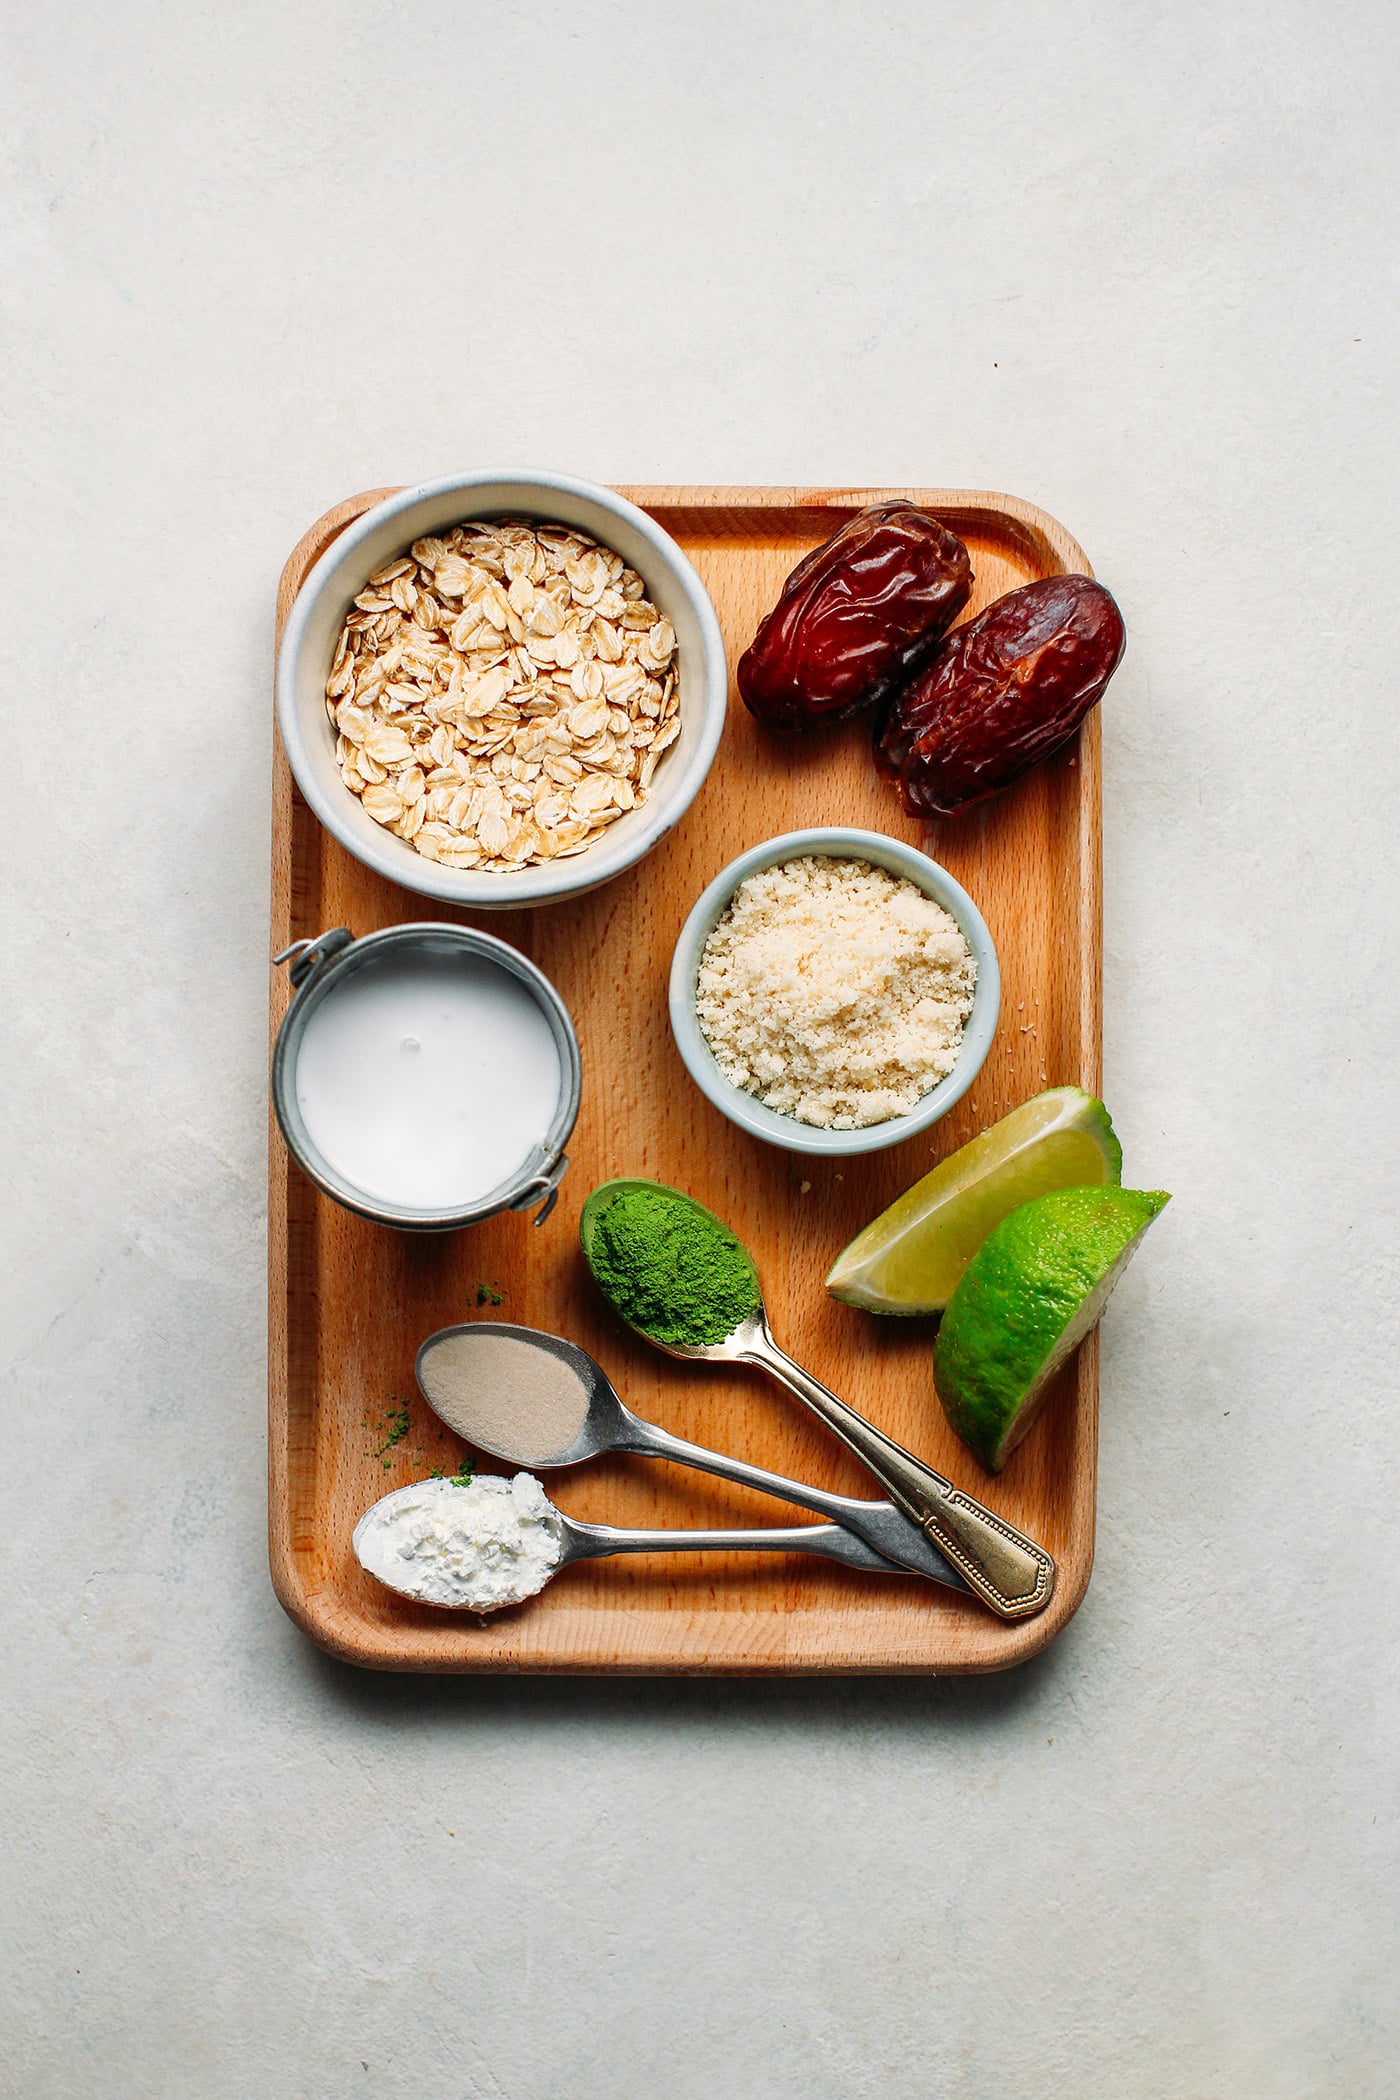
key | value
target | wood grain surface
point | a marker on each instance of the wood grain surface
(350, 1301)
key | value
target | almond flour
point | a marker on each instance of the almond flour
(835, 992)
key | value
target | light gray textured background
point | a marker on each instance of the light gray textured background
(1134, 262)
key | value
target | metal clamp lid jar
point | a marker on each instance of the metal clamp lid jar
(328, 965)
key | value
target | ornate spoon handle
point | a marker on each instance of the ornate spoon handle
(1008, 1571)
(889, 1530)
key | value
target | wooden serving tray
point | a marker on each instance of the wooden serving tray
(350, 1301)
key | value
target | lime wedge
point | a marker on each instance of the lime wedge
(909, 1260)
(1028, 1297)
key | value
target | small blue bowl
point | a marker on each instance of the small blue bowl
(747, 1110)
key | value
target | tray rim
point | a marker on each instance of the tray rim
(993, 1644)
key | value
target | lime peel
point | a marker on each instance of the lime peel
(1028, 1297)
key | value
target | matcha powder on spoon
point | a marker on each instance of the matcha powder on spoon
(672, 1269)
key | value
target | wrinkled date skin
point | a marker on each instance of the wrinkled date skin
(1008, 689)
(855, 618)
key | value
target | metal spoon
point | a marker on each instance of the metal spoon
(1008, 1571)
(610, 1426)
(579, 1541)
(827, 1541)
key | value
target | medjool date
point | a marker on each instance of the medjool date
(1006, 690)
(855, 618)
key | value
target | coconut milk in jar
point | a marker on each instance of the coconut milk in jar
(426, 1076)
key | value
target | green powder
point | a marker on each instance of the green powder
(672, 1269)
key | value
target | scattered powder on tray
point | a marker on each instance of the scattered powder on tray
(506, 1396)
(835, 992)
(480, 1545)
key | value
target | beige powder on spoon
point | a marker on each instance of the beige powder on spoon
(505, 1396)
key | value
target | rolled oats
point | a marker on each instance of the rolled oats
(503, 693)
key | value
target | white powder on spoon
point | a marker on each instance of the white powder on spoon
(478, 1545)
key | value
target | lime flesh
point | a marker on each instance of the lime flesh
(910, 1258)
(1027, 1299)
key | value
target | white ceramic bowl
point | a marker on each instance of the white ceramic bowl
(313, 628)
(746, 1109)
